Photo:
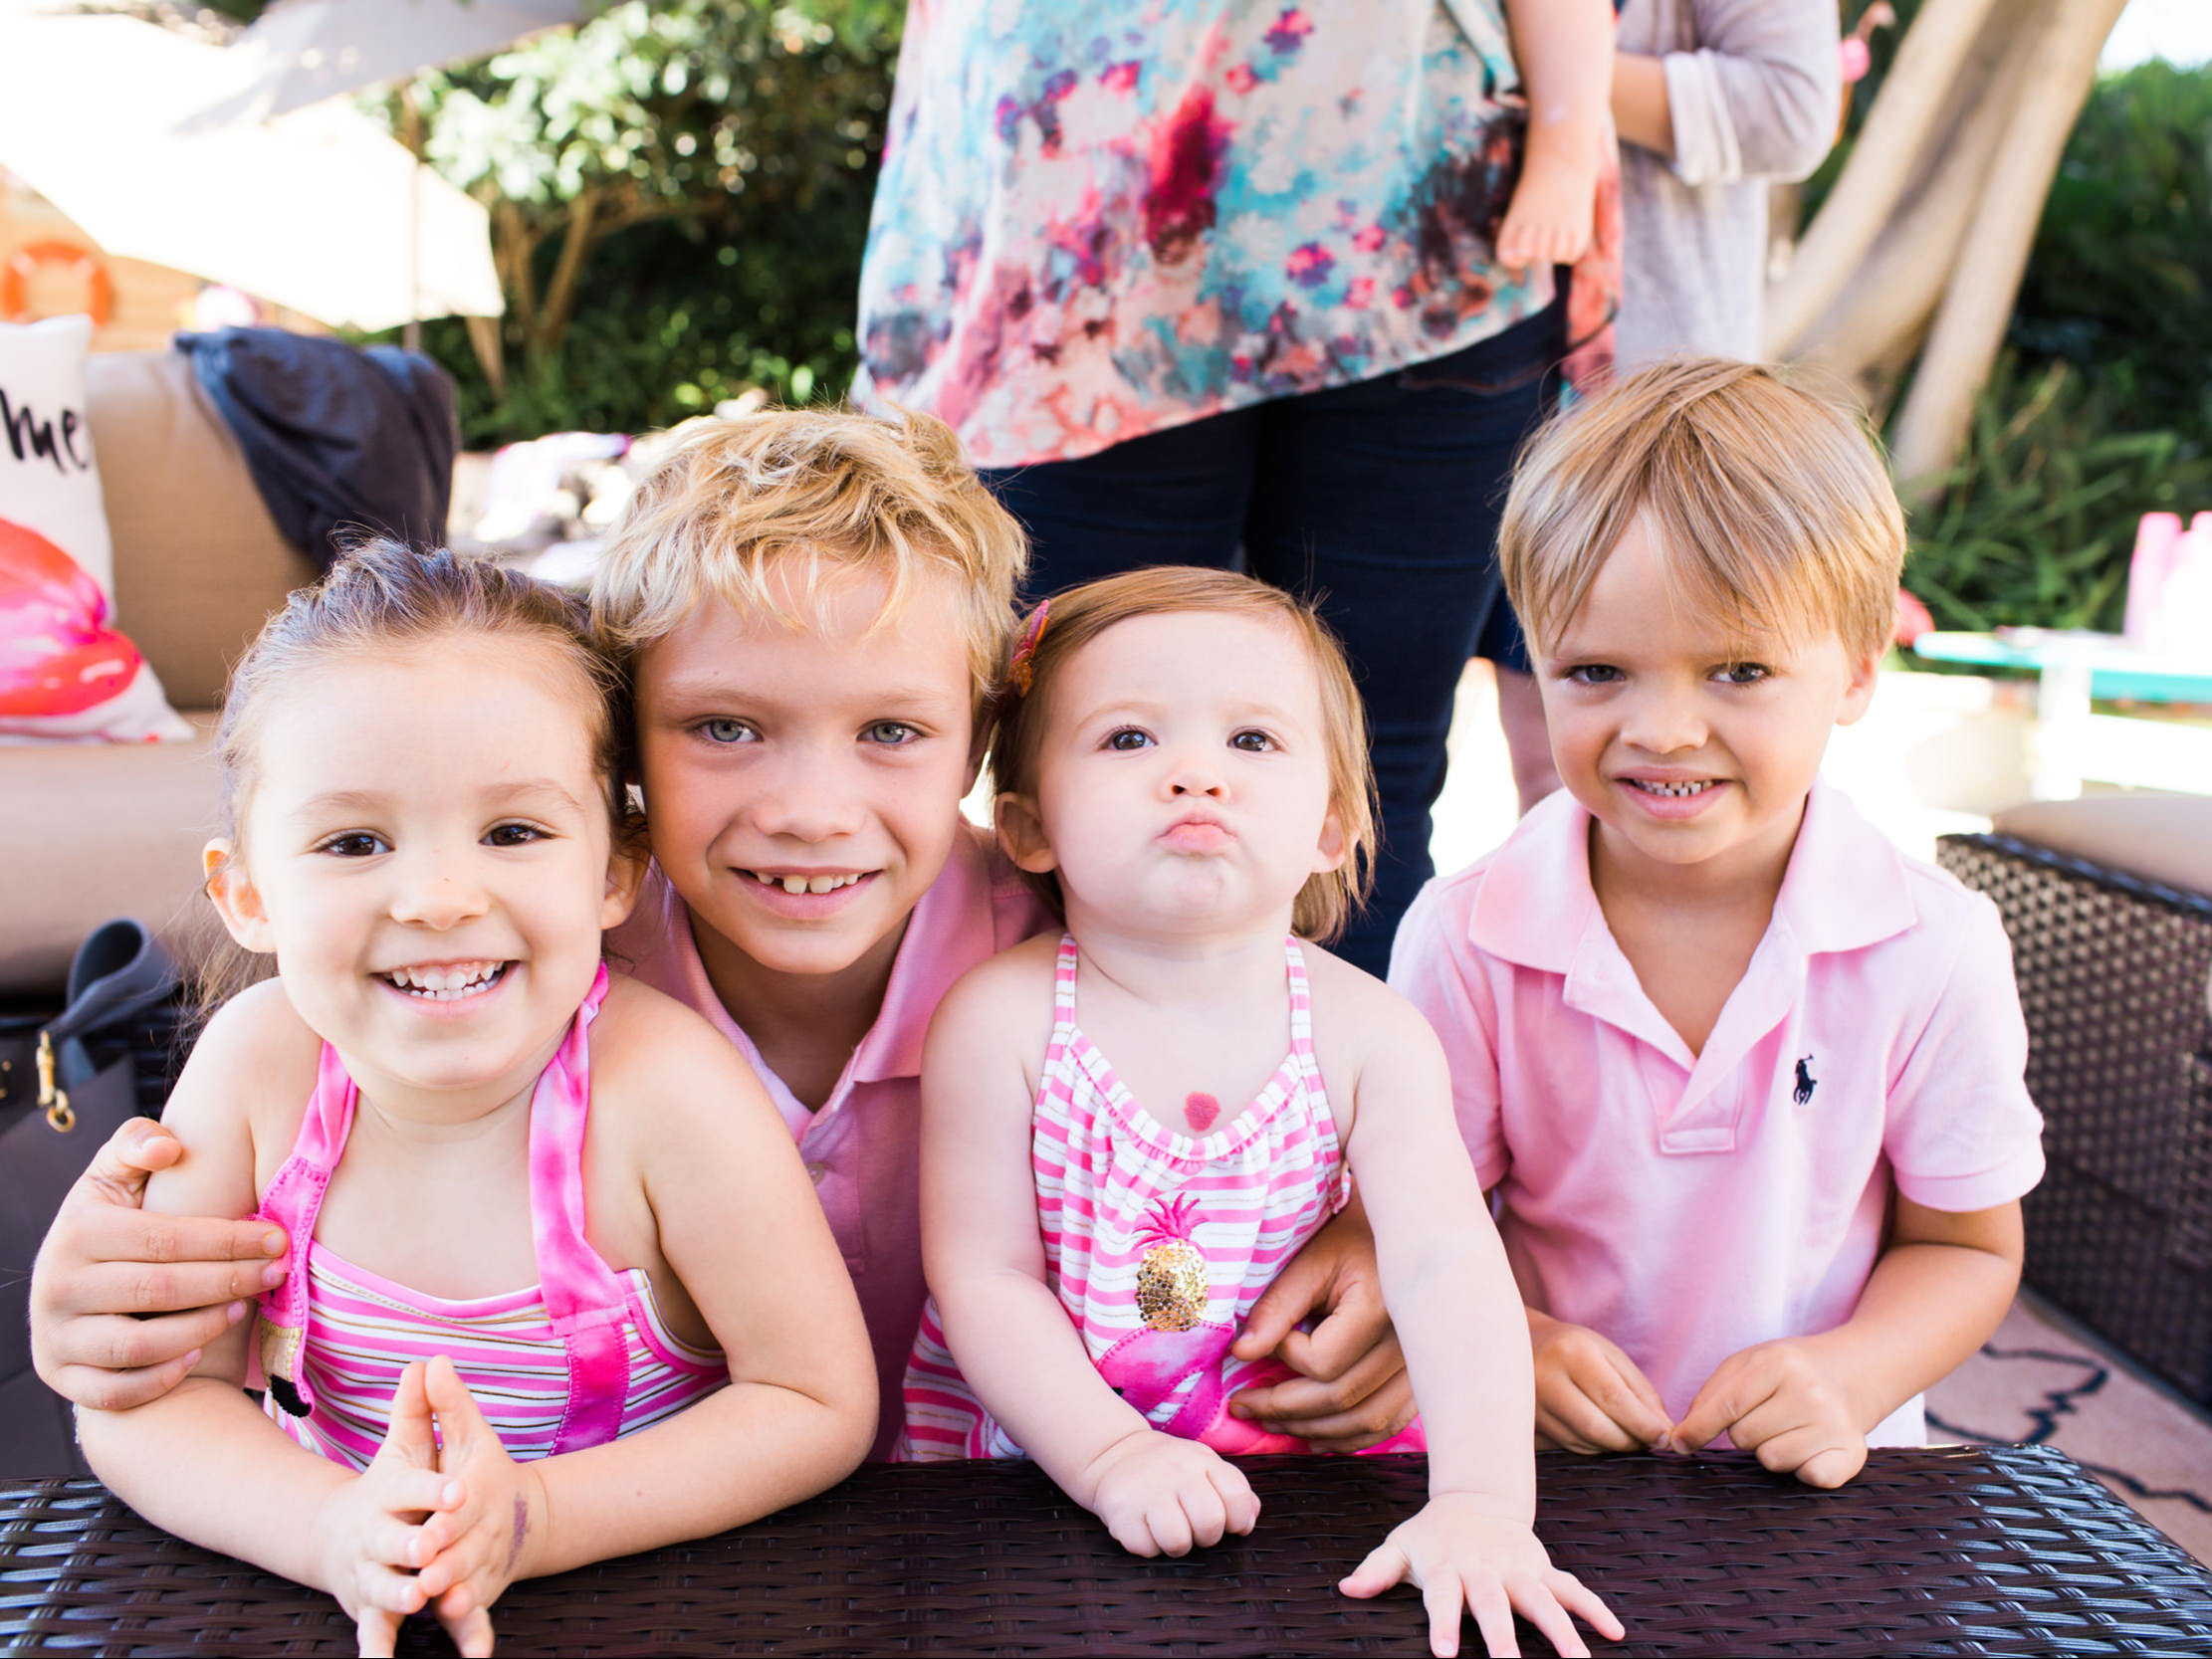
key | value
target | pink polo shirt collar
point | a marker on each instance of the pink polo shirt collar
(1845, 889)
(950, 931)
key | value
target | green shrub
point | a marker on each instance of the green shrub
(2101, 409)
(2120, 284)
(681, 192)
(2036, 522)
(674, 320)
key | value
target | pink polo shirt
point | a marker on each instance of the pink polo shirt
(863, 1147)
(1687, 1207)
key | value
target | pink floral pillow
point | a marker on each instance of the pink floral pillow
(64, 671)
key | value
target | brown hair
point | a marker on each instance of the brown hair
(840, 490)
(1771, 505)
(1079, 616)
(381, 594)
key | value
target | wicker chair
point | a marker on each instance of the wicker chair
(2113, 970)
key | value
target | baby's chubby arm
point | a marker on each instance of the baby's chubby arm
(1804, 1405)
(740, 1224)
(1453, 1298)
(1565, 52)
(200, 1461)
(1016, 1349)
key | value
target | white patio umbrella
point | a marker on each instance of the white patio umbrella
(319, 210)
(300, 52)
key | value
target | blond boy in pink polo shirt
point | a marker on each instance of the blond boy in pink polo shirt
(1744, 1081)
(812, 606)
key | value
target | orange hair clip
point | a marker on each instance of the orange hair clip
(1018, 671)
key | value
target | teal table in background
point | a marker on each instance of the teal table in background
(2074, 668)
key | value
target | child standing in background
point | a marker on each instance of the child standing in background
(1716, 100)
(558, 1189)
(1119, 1155)
(1747, 1081)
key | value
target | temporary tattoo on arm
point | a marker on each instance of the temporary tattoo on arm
(521, 1531)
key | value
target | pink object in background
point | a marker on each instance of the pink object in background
(2176, 616)
(58, 656)
(2157, 540)
(1913, 619)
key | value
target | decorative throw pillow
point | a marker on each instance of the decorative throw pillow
(65, 672)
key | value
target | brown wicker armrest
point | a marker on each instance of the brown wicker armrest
(2112, 972)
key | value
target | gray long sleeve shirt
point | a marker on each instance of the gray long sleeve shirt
(1755, 87)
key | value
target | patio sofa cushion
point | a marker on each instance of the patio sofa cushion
(109, 828)
(198, 561)
(2162, 838)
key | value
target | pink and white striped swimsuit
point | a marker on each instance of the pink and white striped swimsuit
(574, 1361)
(1158, 1243)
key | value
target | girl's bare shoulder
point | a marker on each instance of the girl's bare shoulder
(654, 1057)
(246, 1085)
(1009, 988)
(1360, 1024)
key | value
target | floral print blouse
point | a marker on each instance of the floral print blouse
(1101, 218)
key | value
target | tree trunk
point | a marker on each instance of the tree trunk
(1884, 162)
(576, 239)
(1925, 235)
(1875, 325)
(1970, 324)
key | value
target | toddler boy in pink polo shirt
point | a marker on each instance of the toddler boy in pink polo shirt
(1744, 1081)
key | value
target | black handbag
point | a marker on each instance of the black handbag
(66, 1083)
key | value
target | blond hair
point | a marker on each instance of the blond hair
(839, 492)
(1770, 506)
(1079, 616)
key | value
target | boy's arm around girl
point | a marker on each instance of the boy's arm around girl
(741, 1229)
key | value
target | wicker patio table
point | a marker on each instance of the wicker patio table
(2006, 1550)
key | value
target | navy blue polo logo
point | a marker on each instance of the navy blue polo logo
(1806, 1082)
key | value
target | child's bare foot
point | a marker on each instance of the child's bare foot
(1548, 222)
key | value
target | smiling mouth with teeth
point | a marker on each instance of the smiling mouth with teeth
(807, 884)
(451, 983)
(1672, 791)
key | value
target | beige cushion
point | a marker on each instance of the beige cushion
(99, 830)
(2159, 837)
(199, 564)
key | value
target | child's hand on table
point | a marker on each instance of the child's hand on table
(1781, 1401)
(1160, 1495)
(371, 1532)
(475, 1549)
(1591, 1396)
(1460, 1550)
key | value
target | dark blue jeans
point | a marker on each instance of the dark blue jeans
(1379, 501)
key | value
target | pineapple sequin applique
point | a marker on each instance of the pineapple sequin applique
(1172, 1290)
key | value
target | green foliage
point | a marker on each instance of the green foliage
(675, 322)
(2101, 408)
(2038, 519)
(689, 104)
(2120, 284)
(680, 193)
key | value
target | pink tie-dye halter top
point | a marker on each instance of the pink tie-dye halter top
(574, 1360)
(1157, 1242)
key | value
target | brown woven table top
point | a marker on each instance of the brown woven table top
(1967, 1550)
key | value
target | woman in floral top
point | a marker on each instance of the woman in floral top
(1213, 282)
